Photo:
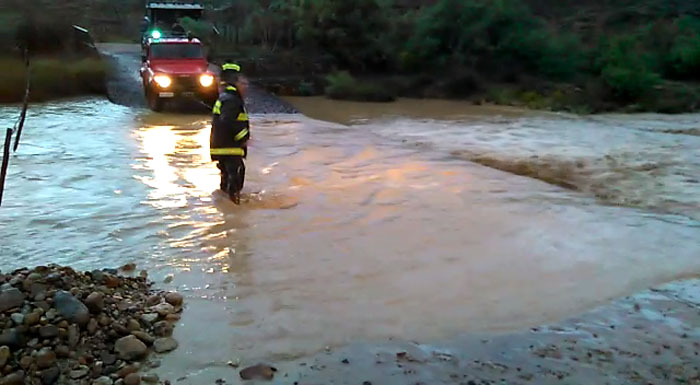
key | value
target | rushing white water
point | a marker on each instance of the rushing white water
(348, 233)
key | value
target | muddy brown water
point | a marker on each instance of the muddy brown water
(359, 232)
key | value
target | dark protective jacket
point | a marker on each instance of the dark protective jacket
(230, 129)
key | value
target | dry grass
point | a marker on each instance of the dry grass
(52, 78)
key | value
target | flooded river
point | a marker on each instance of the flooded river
(378, 229)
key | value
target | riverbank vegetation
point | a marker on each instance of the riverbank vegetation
(587, 55)
(51, 78)
(61, 66)
(583, 56)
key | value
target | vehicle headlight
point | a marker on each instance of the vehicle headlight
(206, 80)
(156, 34)
(163, 81)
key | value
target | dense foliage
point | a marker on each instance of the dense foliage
(623, 52)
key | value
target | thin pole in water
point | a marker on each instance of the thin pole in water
(25, 105)
(5, 161)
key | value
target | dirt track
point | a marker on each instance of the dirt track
(124, 85)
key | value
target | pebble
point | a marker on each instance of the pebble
(51, 314)
(62, 351)
(111, 281)
(48, 331)
(153, 300)
(32, 318)
(129, 369)
(168, 278)
(12, 338)
(43, 305)
(144, 337)
(149, 318)
(132, 379)
(17, 318)
(25, 362)
(16, 378)
(258, 372)
(97, 276)
(104, 380)
(10, 298)
(150, 378)
(174, 298)
(163, 345)
(73, 336)
(50, 376)
(81, 372)
(120, 329)
(38, 291)
(163, 329)
(104, 320)
(108, 358)
(97, 368)
(130, 348)
(45, 358)
(92, 326)
(128, 267)
(163, 309)
(34, 342)
(133, 325)
(154, 364)
(4, 355)
(95, 302)
(71, 308)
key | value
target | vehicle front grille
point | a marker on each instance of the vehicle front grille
(185, 83)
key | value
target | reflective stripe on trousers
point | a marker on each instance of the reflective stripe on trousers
(227, 151)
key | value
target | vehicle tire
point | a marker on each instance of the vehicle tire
(155, 103)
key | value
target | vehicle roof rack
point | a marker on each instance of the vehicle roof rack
(193, 6)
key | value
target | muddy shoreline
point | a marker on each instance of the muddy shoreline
(648, 338)
(652, 337)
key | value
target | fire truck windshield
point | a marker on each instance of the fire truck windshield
(176, 51)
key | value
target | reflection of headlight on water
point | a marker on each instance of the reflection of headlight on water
(163, 81)
(206, 80)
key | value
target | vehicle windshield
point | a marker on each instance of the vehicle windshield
(176, 51)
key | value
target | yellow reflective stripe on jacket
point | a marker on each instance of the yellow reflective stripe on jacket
(241, 134)
(231, 88)
(243, 117)
(231, 66)
(227, 151)
(217, 108)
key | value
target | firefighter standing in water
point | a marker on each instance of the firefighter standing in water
(230, 132)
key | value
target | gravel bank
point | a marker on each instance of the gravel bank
(59, 326)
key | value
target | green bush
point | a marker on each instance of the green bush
(341, 85)
(353, 31)
(501, 38)
(625, 69)
(683, 58)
